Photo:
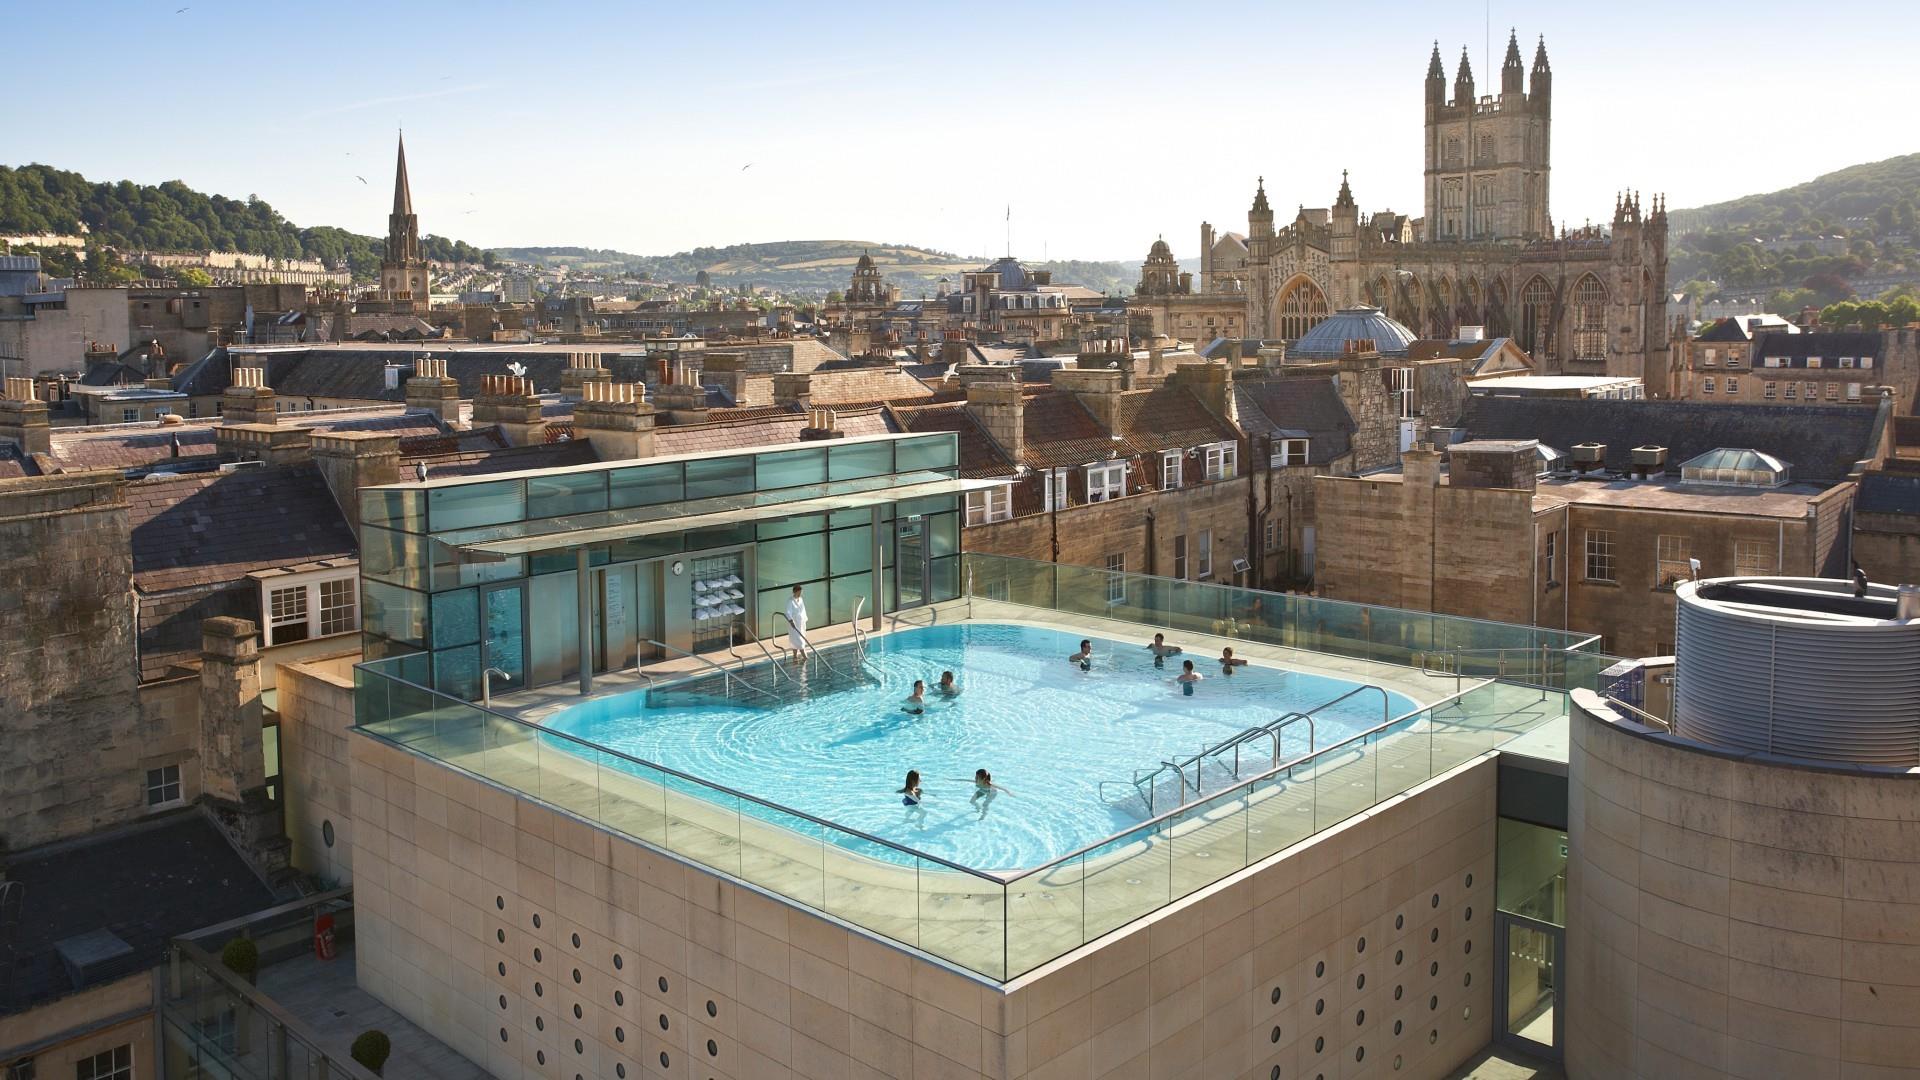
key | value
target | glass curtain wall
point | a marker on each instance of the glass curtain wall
(519, 613)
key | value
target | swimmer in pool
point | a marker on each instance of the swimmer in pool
(1084, 657)
(985, 791)
(1161, 650)
(948, 687)
(910, 796)
(1187, 677)
(916, 702)
(1228, 662)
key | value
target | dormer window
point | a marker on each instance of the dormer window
(1287, 452)
(1223, 460)
(298, 607)
(1170, 469)
(1106, 480)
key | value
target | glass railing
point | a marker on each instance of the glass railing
(993, 924)
(1442, 645)
(215, 1023)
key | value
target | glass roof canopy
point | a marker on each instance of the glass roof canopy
(580, 530)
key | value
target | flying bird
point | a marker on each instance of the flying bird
(178, 11)
(747, 166)
(360, 178)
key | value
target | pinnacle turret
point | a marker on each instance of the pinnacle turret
(1435, 70)
(1345, 199)
(1260, 198)
(1540, 56)
(1463, 80)
(1512, 72)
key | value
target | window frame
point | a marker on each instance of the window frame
(1221, 461)
(1180, 556)
(987, 506)
(1672, 559)
(1053, 490)
(1733, 385)
(1106, 481)
(1597, 547)
(1203, 555)
(1172, 469)
(1552, 555)
(163, 787)
(1290, 452)
(317, 615)
(1767, 389)
(1116, 562)
(1747, 564)
(1706, 385)
(117, 1066)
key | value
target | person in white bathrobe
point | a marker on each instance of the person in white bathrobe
(797, 624)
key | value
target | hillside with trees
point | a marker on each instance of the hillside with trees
(172, 217)
(812, 266)
(1840, 235)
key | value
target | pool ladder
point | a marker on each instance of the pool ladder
(813, 651)
(728, 678)
(1179, 766)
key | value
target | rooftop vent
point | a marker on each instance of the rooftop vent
(1799, 667)
(1649, 461)
(1589, 456)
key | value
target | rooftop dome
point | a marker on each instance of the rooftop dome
(1749, 468)
(1160, 250)
(1328, 339)
(865, 263)
(1012, 274)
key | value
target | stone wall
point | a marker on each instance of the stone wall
(67, 682)
(72, 1029)
(537, 944)
(316, 711)
(1887, 546)
(1089, 533)
(1733, 918)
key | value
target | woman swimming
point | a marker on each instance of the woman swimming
(948, 687)
(1228, 661)
(985, 790)
(916, 702)
(1187, 677)
(910, 796)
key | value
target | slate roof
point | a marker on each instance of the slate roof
(213, 528)
(1058, 432)
(1168, 419)
(1888, 493)
(980, 456)
(360, 374)
(112, 373)
(509, 459)
(122, 448)
(145, 884)
(1820, 442)
(1826, 344)
(865, 386)
(1270, 406)
(1741, 327)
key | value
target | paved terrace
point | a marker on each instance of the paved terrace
(996, 925)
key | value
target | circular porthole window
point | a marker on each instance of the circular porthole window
(326, 832)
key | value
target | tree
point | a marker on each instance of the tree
(192, 277)
(1870, 314)
(1903, 310)
(1828, 286)
(1837, 315)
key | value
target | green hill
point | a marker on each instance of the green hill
(817, 266)
(1810, 241)
(172, 217)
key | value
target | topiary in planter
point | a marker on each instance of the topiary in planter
(371, 1049)
(242, 957)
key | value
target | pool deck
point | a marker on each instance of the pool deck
(1001, 925)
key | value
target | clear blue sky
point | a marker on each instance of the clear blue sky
(628, 126)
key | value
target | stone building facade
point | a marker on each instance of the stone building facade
(1174, 309)
(1590, 300)
(1775, 367)
(1489, 539)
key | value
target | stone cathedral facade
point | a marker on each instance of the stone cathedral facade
(1585, 300)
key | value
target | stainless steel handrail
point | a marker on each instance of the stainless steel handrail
(724, 673)
(1292, 763)
(810, 648)
(708, 785)
(1386, 705)
(768, 653)
(859, 635)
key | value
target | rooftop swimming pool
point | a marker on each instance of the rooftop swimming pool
(1049, 731)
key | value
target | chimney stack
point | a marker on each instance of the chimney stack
(1098, 390)
(681, 403)
(23, 418)
(430, 390)
(999, 408)
(351, 460)
(793, 388)
(821, 424)
(509, 402)
(249, 400)
(616, 418)
(582, 368)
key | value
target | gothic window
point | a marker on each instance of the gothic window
(1301, 309)
(1589, 319)
(1536, 316)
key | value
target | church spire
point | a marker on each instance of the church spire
(1513, 47)
(1512, 72)
(1463, 81)
(1260, 198)
(1540, 56)
(402, 194)
(1435, 70)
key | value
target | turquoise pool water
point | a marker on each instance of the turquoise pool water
(1048, 731)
